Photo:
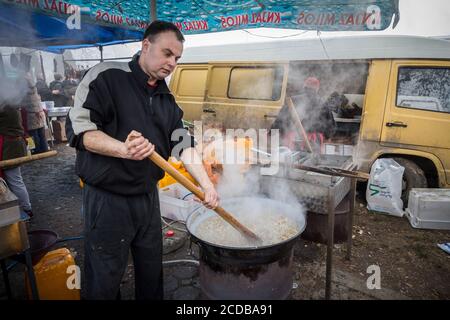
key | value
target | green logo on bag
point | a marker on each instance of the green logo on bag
(375, 189)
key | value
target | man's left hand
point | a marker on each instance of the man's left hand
(211, 197)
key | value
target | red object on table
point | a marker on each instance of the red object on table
(170, 233)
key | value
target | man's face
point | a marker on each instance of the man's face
(159, 58)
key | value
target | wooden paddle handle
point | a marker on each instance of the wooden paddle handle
(163, 164)
(298, 122)
(22, 160)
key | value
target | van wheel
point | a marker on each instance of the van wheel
(413, 177)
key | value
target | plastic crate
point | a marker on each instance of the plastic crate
(429, 208)
(176, 202)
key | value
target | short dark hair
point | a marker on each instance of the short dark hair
(159, 26)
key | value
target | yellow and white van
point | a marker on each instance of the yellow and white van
(402, 84)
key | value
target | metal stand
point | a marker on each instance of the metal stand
(330, 244)
(6, 279)
(14, 240)
(330, 237)
(31, 276)
(350, 219)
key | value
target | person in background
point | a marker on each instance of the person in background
(58, 95)
(55, 83)
(43, 89)
(69, 86)
(124, 112)
(12, 145)
(35, 117)
(317, 121)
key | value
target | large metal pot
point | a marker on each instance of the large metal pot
(263, 272)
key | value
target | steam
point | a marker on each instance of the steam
(16, 66)
(12, 92)
(241, 179)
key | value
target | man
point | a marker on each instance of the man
(42, 89)
(122, 113)
(317, 121)
(69, 86)
(56, 82)
(57, 92)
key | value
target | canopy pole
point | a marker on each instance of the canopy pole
(42, 67)
(101, 53)
(153, 16)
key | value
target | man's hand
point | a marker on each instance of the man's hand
(136, 147)
(211, 197)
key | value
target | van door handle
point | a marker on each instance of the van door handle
(209, 110)
(396, 124)
(270, 116)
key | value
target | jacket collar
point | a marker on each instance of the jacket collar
(142, 77)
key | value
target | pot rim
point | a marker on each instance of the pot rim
(252, 248)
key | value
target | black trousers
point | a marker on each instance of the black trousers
(114, 224)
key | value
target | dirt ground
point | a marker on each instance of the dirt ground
(410, 263)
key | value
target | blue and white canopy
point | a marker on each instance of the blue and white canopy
(56, 25)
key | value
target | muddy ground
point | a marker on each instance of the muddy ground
(410, 263)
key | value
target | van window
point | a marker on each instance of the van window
(194, 82)
(255, 83)
(424, 88)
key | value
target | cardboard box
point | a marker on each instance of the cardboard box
(338, 149)
(348, 150)
(334, 148)
(48, 135)
(59, 130)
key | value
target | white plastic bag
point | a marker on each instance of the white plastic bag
(384, 189)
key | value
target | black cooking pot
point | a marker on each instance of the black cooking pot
(263, 272)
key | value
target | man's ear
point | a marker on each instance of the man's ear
(145, 45)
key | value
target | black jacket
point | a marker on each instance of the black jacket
(114, 97)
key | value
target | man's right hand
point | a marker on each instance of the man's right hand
(136, 147)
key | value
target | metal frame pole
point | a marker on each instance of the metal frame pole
(101, 53)
(153, 15)
(42, 67)
(31, 277)
(6, 279)
(330, 244)
(350, 218)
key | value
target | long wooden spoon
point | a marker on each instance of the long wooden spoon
(164, 165)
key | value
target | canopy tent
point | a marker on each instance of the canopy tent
(55, 25)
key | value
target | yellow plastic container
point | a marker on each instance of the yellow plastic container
(167, 180)
(57, 276)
